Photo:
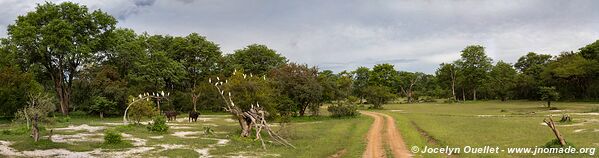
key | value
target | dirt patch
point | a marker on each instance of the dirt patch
(79, 137)
(374, 147)
(579, 130)
(184, 134)
(157, 137)
(203, 152)
(220, 142)
(180, 127)
(136, 141)
(82, 127)
(172, 146)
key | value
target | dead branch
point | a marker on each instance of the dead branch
(551, 125)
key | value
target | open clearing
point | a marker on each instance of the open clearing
(493, 123)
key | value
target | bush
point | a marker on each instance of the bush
(343, 110)
(159, 125)
(555, 144)
(64, 119)
(141, 109)
(112, 137)
(553, 108)
(41, 104)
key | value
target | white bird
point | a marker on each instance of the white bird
(244, 76)
(264, 77)
(163, 93)
(251, 75)
(257, 104)
(229, 94)
(169, 93)
(217, 78)
(140, 96)
(209, 80)
(226, 81)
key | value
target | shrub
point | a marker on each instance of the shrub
(555, 144)
(41, 104)
(64, 119)
(343, 110)
(112, 137)
(159, 125)
(141, 109)
(553, 108)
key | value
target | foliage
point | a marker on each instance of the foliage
(256, 59)
(474, 66)
(384, 75)
(248, 90)
(40, 104)
(548, 94)
(360, 79)
(300, 84)
(102, 106)
(347, 108)
(141, 109)
(502, 80)
(65, 32)
(14, 89)
(112, 137)
(378, 95)
(158, 125)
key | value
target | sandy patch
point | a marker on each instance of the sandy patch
(579, 130)
(136, 141)
(8, 151)
(114, 123)
(220, 142)
(397, 110)
(587, 114)
(157, 137)
(180, 127)
(210, 124)
(79, 137)
(172, 146)
(203, 152)
(82, 127)
(230, 120)
(128, 153)
(184, 134)
(596, 130)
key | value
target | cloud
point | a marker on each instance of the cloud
(342, 35)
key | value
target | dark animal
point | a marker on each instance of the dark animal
(171, 115)
(193, 116)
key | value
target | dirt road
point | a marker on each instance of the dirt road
(391, 135)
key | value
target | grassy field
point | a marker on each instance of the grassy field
(313, 136)
(495, 124)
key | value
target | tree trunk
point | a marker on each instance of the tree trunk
(453, 90)
(35, 131)
(463, 95)
(101, 115)
(246, 129)
(194, 99)
(303, 110)
(474, 94)
(555, 131)
(549, 104)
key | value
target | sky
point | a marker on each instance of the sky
(414, 35)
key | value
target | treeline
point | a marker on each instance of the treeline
(89, 65)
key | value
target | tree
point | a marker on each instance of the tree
(102, 105)
(590, 51)
(300, 84)
(502, 79)
(572, 75)
(447, 76)
(531, 66)
(407, 81)
(361, 78)
(548, 94)
(199, 57)
(140, 109)
(256, 59)
(384, 75)
(475, 66)
(61, 38)
(378, 95)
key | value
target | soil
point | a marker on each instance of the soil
(375, 137)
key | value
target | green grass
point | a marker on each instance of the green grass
(320, 135)
(483, 123)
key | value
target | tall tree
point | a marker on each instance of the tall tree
(256, 59)
(502, 79)
(531, 66)
(61, 37)
(361, 77)
(447, 76)
(300, 84)
(475, 66)
(384, 75)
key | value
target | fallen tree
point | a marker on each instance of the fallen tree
(254, 118)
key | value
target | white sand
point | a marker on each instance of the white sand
(82, 127)
(183, 134)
